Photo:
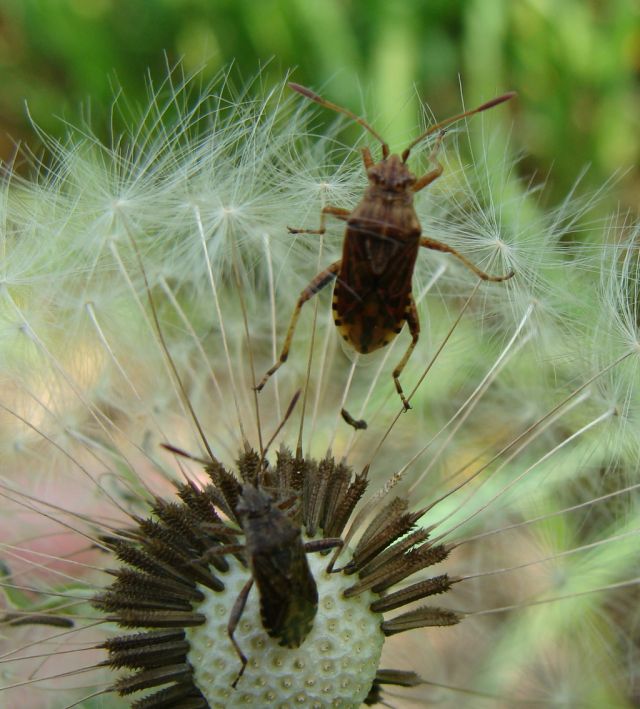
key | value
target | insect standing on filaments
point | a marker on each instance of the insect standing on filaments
(372, 297)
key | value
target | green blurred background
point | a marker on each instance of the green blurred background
(574, 63)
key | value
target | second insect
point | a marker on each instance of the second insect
(372, 297)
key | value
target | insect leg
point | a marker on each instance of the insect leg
(439, 246)
(414, 328)
(323, 544)
(434, 174)
(317, 284)
(337, 212)
(222, 551)
(358, 424)
(234, 619)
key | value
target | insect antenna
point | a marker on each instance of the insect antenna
(287, 414)
(247, 334)
(312, 96)
(167, 354)
(448, 121)
(184, 454)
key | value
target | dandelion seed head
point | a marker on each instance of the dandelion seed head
(169, 247)
(331, 656)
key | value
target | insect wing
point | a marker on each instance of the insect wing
(288, 593)
(369, 307)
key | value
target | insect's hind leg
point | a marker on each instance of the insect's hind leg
(316, 285)
(234, 619)
(445, 248)
(414, 328)
(337, 212)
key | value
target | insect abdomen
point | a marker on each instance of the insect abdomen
(368, 324)
(288, 595)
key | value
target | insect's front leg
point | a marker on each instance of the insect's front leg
(337, 212)
(434, 174)
(323, 544)
(445, 248)
(317, 284)
(414, 328)
(234, 619)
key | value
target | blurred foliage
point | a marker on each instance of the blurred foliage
(575, 65)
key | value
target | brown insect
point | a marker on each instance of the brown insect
(276, 556)
(372, 297)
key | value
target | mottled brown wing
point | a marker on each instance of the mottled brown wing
(288, 593)
(370, 303)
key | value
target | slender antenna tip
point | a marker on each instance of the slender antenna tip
(499, 99)
(304, 91)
